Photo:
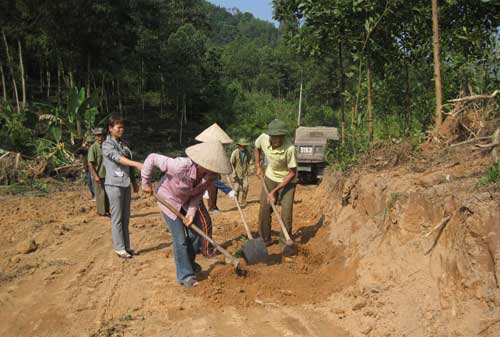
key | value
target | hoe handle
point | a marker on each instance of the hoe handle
(278, 215)
(231, 258)
(247, 229)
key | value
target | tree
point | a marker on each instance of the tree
(185, 52)
(437, 63)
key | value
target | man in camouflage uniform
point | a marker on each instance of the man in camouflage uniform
(240, 161)
(96, 168)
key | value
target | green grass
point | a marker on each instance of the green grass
(25, 186)
(492, 176)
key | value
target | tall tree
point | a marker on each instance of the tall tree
(437, 63)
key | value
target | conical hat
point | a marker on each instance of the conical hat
(210, 155)
(214, 132)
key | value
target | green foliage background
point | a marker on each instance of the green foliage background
(173, 67)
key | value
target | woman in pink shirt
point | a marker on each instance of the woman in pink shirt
(184, 182)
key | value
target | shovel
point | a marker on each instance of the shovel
(290, 247)
(234, 261)
(254, 250)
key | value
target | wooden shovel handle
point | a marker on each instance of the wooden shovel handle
(197, 230)
(278, 215)
(247, 229)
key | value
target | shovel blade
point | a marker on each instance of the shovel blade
(255, 251)
(289, 250)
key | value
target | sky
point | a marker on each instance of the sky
(262, 9)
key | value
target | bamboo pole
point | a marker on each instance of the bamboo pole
(12, 74)
(342, 101)
(48, 79)
(58, 81)
(408, 114)
(185, 109)
(356, 102)
(300, 98)
(4, 87)
(101, 96)
(142, 90)
(369, 98)
(180, 132)
(64, 78)
(88, 75)
(40, 66)
(23, 80)
(104, 94)
(120, 106)
(162, 96)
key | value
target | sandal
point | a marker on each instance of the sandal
(190, 283)
(132, 252)
(123, 254)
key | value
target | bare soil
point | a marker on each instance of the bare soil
(373, 261)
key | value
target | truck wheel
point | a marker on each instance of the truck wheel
(306, 178)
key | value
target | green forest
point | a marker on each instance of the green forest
(171, 68)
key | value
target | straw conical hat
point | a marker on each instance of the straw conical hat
(210, 155)
(214, 132)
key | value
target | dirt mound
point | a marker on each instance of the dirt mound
(307, 278)
(384, 155)
(313, 275)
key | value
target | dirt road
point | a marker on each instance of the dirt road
(74, 285)
(403, 245)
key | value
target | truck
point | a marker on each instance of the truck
(311, 144)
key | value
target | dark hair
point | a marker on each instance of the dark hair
(114, 120)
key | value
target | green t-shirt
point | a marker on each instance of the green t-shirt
(279, 160)
(95, 157)
(240, 161)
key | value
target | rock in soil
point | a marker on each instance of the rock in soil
(27, 246)
(360, 304)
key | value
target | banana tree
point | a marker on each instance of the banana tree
(79, 110)
(52, 148)
(76, 117)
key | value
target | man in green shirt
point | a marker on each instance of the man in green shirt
(96, 168)
(280, 176)
(83, 152)
(240, 161)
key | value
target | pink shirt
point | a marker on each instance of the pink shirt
(177, 187)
